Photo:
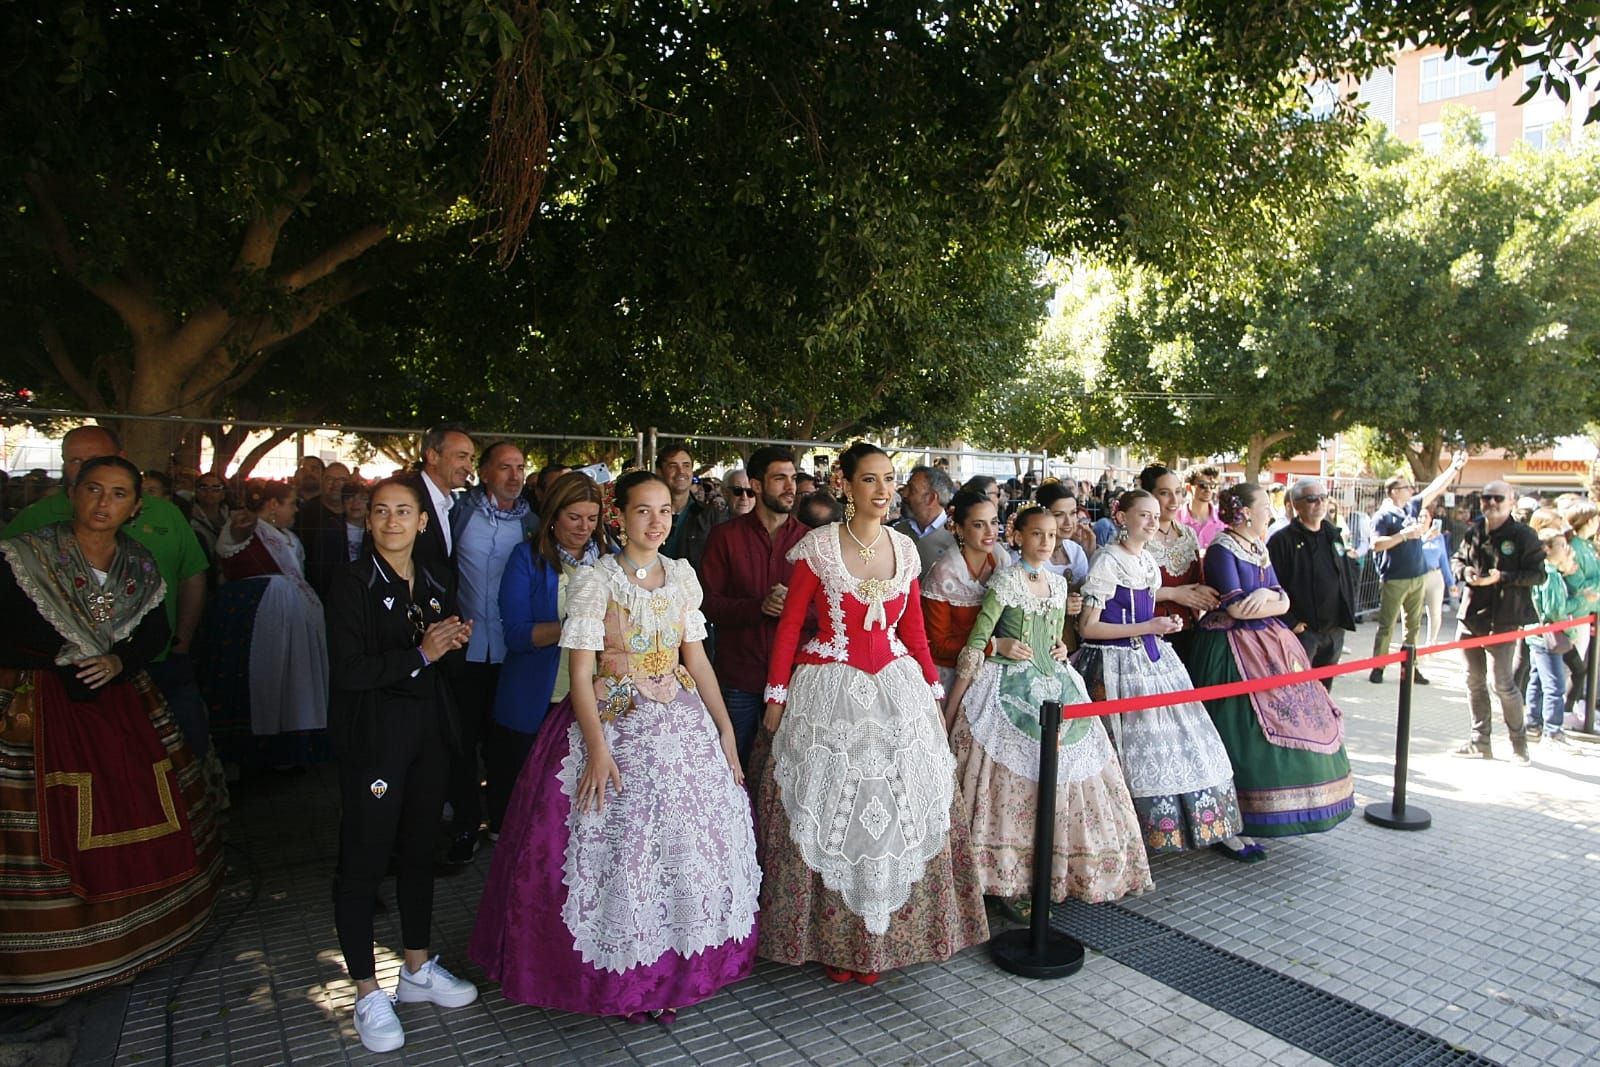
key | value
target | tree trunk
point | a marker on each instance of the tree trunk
(1256, 449)
(225, 444)
(1424, 460)
(259, 452)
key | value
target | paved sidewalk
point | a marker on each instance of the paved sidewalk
(1477, 931)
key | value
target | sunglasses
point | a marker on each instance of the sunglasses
(1310, 499)
(418, 627)
(209, 488)
(740, 491)
(1493, 498)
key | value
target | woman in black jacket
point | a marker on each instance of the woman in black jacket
(392, 628)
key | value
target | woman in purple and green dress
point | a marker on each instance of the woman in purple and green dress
(1286, 743)
(1178, 770)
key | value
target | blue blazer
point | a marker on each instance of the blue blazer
(528, 675)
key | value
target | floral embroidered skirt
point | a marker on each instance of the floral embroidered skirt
(1282, 791)
(1177, 767)
(1098, 855)
(646, 904)
(802, 920)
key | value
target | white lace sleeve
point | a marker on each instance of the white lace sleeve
(1101, 584)
(694, 620)
(585, 626)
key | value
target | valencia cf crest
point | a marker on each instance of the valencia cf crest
(379, 787)
(434, 604)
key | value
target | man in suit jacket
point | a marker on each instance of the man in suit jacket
(447, 454)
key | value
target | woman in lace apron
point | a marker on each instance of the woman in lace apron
(267, 611)
(953, 591)
(863, 837)
(1287, 743)
(994, 712)
(625, 878)
(1178, 771)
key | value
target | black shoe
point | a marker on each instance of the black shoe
(463, 847)
(1376, 676)
(1416, 676)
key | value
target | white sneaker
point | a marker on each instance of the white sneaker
(377, 1023)
(432, 984)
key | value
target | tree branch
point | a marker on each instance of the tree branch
(334, 257)
(256, 454)
(264, 331)
(261, 236)
(141, 315)
(56, 346)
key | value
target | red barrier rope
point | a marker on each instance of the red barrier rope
(1502, 638)
(1256, 685)
(1226, 689)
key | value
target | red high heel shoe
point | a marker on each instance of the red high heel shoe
(836, 974)
(868, 977)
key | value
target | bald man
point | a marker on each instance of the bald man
(1500, 561)
(162, 528)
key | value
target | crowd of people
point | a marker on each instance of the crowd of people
(792, 715)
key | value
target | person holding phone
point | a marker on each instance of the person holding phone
(1398, 532)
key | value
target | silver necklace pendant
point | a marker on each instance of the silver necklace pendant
(641, 572)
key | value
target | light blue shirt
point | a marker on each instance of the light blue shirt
(483, 546)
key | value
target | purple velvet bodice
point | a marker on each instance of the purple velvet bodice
(1130, 606)
(1234, 579)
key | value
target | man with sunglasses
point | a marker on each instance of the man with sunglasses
(1308, 555)
(1200, 513)
(1500, 561)
(1398, 531)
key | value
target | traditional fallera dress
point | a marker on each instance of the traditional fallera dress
(1287, 743)
(862, 831)
(1177, 767)
(649, 903)
(1178, 563)
(951, 598)
(996, 737)
(109, 859)
(264, 652)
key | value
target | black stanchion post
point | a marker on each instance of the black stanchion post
(1395, 815)
(1039, 951)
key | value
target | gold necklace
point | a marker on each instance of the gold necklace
(866, 552)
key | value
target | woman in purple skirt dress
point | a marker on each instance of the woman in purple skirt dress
(625, 878)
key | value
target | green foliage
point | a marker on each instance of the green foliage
(767, 218)
(1443, 298)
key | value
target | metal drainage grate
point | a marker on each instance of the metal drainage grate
(1309, 1018)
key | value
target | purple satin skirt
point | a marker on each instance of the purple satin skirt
(520, 939)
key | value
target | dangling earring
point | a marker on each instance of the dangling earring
(1122, 535)
(849, 509)
(622, 539)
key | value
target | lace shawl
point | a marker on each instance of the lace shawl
(949, 579)
(91, 616)
(1113, 567)
(1175, 557)
(1010, 588)
(655, 612)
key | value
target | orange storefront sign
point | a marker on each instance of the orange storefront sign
(1569, 467)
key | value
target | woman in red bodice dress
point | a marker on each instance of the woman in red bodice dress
(863, 844)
